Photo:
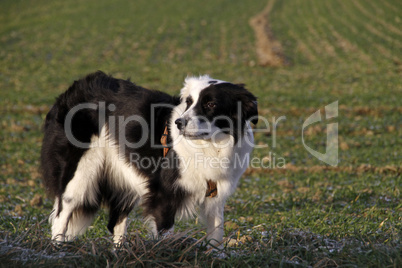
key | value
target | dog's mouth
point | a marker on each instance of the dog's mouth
(194, 136)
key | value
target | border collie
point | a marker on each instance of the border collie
(102, 145)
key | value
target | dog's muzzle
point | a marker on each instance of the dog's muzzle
(181, 123)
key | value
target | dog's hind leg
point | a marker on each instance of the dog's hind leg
(59, 221)
(75, 208)
(119, 230)
(72, 221)
(120, 207)
(118, 224)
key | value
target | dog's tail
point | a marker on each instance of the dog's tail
(79, 106)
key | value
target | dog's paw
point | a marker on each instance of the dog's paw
(216, 253)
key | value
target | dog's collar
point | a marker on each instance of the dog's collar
(164, 140)
(212, 189)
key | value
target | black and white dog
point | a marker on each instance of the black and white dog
(102, 145)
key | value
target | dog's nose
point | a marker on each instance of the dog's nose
(180, 123)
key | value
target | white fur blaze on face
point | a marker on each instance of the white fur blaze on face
(195, 85)
(197, 128)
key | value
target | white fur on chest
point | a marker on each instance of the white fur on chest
(220, 161)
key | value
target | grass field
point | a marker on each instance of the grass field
(304, 214)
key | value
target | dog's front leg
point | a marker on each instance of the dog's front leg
(161, 220)
(160, 211)
(213, 213)
(164, 199)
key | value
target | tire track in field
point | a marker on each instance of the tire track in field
(388, 26)
(269, 51)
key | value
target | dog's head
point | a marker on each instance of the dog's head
(213, 107)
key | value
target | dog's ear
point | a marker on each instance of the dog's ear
(245, 101)
(250, 109)
(248, 105)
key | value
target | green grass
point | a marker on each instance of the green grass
(307, 214)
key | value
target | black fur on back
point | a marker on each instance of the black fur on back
(59, 158)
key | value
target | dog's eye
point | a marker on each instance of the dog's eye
(189, 101)
(211, 104)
